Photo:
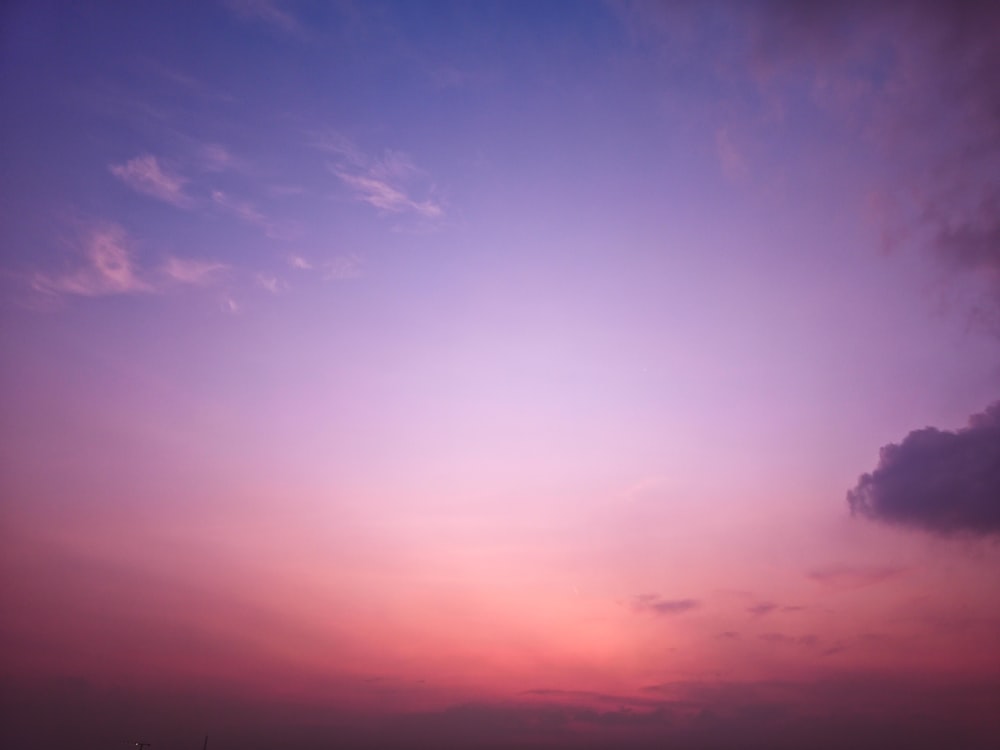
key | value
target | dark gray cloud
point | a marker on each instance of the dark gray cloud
(657, 605)
(762, 608)
(940, 481)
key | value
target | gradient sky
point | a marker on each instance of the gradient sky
(495, 374)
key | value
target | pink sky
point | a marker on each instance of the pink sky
(431, 374)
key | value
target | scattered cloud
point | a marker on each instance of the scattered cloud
(217, 158)
(940, 481)
(342, 267)
(338, 268)
(145, 174)
(110, 266)
(340, 147)
(299, 263)
(657, 605)
(191, 271)
(385, 196)
(188, 83)
(248, 213)
(392, 183)
(270, 12)
(781, 639)
(933, 111)
(762, 608)
(272, 284)
(853, 576)
(107, 265)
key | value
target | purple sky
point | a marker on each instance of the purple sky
(500, 374)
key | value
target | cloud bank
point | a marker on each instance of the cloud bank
(940, 481)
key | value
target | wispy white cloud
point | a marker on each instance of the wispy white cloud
(247, 212)
(109, 268)
(339, 146)
(342, 267)
(217, 158)
(269, 12)
(188, 83)
(391, 183)
(338, 268)
(145, 174)
(385, 197)
(191, 271)
(271, 283)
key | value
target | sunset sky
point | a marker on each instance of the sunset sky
(499, 374)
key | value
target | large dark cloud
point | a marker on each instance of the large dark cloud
(941, 481)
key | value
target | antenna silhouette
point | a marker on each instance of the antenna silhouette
(205, 746)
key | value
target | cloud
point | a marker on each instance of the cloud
(853, 576)
(110, 267)
(781, 639)
(656, 605)
(392, 183)
(933, 110)
(217, 158)
(385, 196)
(299, 263)
(342, 267)
(761, 609)
(145, 174)
(191, 271)
(269, 12)
(271, 283)
(940, 481)
(731, 159)
(248, 213)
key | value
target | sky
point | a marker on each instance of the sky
(499, 374)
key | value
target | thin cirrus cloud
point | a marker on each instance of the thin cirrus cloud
(249, 214)
(271, 283)
(146, 175)
(657, 605)
(389, 183)
(337, 268)
(342, 267)
(109, 268)
(268, 12)
(299, 263)
(217, 158)
(191, 271)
